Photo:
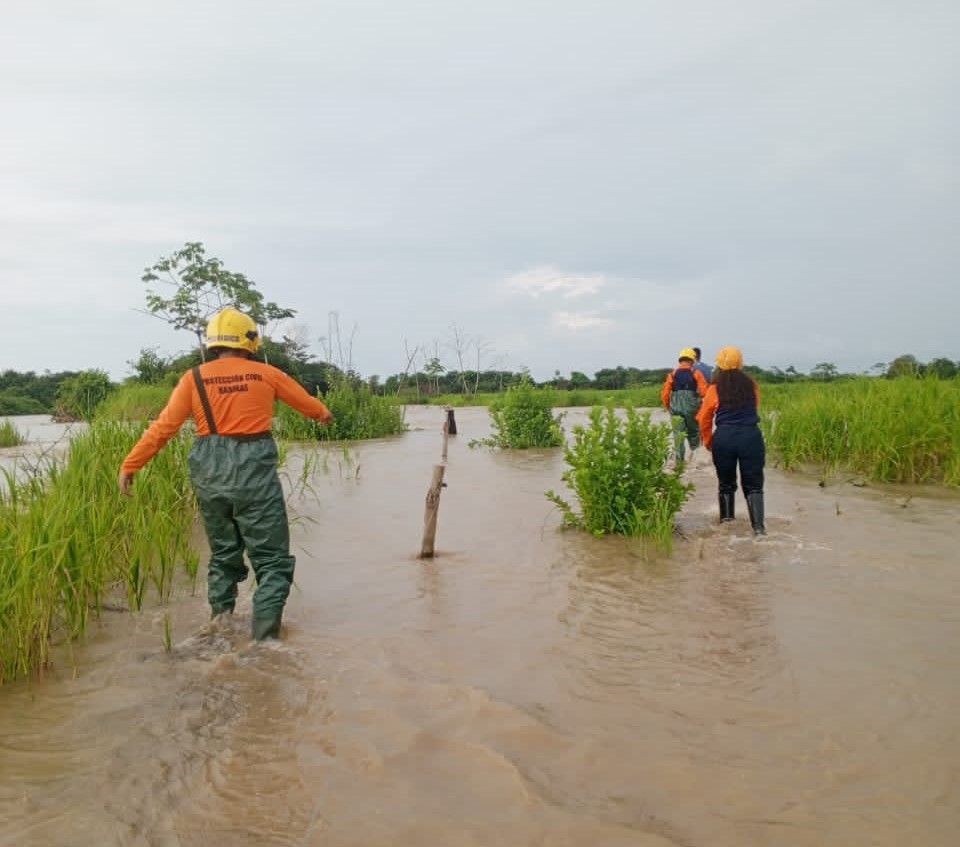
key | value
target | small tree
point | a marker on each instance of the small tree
(150, 368)
(906, 365)
(942, 368)
(579, 380)
(824, 371)
(434, 370)
(201, 288)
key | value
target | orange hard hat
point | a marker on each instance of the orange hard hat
(730, 359)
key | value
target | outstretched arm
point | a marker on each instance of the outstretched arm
(166, 425)
(295, 395)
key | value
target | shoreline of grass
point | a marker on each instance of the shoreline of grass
(894, 431)
(67, 536)
(645, 397)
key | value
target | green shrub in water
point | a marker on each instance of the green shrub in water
(10, 436)
(523, 419)
(617, 470)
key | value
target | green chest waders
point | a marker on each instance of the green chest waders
(243, 510)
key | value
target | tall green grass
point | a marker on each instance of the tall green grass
(358, 414)
(68, 539)
(646, 397)
(905, 430)
(134, 402)
(10, 436)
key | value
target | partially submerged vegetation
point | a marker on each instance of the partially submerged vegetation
(358, 414)
(10, 436)
(68, 542)
(903, 430)
(618, 472)
(647, 397)
(524, 418)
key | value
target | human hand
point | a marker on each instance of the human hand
(125, 481)
(327, 420)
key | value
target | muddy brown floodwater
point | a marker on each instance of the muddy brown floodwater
(528, 687)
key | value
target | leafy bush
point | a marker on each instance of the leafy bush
(358, 414)
(10, 436)
(523, 419)
(617, 470)
(80, 395)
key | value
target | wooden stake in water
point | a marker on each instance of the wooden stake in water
(430, 513)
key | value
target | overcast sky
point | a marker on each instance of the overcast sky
(578, 184)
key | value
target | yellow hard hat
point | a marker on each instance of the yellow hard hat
(730, 359)
(232, 328)
(687, 353)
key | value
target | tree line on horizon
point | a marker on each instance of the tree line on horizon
(198, 286)
(30, 393)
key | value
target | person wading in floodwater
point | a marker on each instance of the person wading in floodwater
(681, 396)
(233, 465)
(732, 402)
(703, 367)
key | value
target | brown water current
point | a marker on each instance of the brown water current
(528, 686)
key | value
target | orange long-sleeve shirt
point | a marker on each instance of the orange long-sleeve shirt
(708, 411)
(667, 389)
(241, 393)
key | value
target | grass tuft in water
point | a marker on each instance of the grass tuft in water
(10, 436)
(68, 539)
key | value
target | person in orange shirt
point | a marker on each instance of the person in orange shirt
(233, 465)
(732, 403)
(681, 396)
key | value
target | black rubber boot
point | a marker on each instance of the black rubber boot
(264, 628)
(755, 508)
(224, 609)
(726, 506)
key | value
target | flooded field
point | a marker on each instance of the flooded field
(44, 440)
(527, 687)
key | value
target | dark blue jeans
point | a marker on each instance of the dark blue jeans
(743, 446)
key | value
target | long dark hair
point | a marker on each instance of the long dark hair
(735, 389)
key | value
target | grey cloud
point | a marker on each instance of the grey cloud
(786, 173)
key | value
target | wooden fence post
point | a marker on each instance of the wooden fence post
(430, 513)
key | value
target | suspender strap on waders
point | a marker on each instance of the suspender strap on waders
(204, 400)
